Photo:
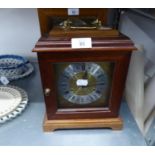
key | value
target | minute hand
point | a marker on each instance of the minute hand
(94, 84)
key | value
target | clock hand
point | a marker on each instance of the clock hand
(85, 76)
(94, 84)
(83, 66)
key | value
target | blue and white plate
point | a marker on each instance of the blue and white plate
(14, 67)
(12, 61)
(28, 70)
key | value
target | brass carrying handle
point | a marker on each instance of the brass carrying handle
(67, 25)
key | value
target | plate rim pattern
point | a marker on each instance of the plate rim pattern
(19, 109)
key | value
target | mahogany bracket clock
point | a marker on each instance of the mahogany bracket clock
(83, 67)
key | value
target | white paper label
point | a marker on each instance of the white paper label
(73, 11)
(82, 82)
(4, 80)
(81, 43)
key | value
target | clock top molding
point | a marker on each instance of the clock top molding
(115, 44)
(54, 39)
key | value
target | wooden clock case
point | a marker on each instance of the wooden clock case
(112, 46)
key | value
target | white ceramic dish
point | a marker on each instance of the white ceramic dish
(13, 101)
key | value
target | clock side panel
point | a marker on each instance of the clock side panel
(118, 85)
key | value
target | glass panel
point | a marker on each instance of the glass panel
(74, 22)
(83, 84)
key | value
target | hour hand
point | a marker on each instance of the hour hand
(85, 75)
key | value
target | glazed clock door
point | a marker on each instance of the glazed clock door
(78, 88)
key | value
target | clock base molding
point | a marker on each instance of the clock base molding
(113, 123)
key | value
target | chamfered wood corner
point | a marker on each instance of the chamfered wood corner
(113, 123)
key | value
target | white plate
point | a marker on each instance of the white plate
(13, 101)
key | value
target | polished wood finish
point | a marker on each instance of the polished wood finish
(113, 123)
(48, 80)
(107, 44)
(46, 14)
(116, 49)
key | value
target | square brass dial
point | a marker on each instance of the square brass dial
(83, 84)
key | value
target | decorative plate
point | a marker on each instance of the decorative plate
(11, 65)
(12, 61)
(14, 67)
(13, 101)
(28, 70)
